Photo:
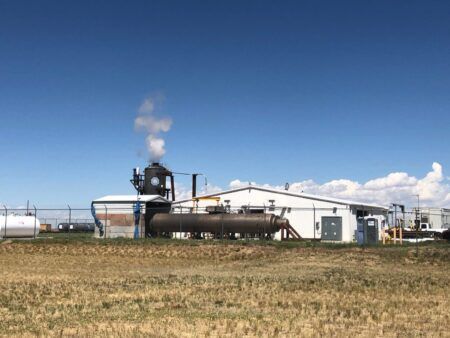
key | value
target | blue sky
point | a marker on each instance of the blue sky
(270, 92)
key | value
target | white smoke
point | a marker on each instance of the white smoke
(155, 146)
(147, 122)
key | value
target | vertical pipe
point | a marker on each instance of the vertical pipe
(172, 187)
(194, 185)
(137, 218)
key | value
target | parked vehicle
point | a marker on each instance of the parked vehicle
(424, 231)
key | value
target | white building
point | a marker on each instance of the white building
(313, 217)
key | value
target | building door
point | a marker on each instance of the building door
(331, 228)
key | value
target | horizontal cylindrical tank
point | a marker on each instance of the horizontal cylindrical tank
(217, 223)
(13, 226)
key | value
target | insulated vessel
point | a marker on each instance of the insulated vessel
(13, 226)
(217, 223)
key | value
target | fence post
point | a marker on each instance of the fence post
(70, 218)
(106, 219)
(6, 217)
(181, 219)
(35, 219)
(221, 220)
(314, 223)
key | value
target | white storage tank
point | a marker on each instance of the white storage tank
(13, 226)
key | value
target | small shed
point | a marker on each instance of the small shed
(116, 213)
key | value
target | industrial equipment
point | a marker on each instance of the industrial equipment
(154, 181)
(153, 192)
(218, 224)
(13, 226)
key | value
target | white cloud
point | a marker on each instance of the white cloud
(398, 187)
(182, 192)
(391, 180)
(238, 184)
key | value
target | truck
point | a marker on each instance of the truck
(424, 231)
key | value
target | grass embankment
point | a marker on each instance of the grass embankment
(84, 286)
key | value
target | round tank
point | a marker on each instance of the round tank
(13, 226)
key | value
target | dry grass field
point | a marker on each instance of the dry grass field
(168, 288)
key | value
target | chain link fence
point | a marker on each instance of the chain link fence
(121, 222)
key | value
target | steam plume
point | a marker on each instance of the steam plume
(147, 122)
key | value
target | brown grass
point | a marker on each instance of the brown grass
(121, 289)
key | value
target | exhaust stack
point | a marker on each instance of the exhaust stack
(194, 185)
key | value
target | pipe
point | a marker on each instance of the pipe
(172, 187)
(217, 223)
(194, 185)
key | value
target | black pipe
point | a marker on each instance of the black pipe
(194, 185)
(172, 187)
(217, 223)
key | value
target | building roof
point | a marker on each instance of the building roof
(302, 195)
(130, 199)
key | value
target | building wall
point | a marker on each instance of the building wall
(298, 210)
(118, 220)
